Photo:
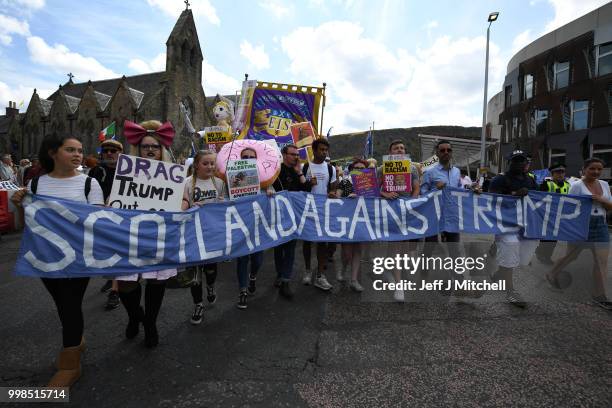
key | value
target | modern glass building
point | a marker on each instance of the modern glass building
(557, 96)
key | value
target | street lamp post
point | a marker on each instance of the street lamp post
(483, 152)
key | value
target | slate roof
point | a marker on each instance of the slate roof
(142, 88)
(73, 103)
(102, 99)
(45, 106)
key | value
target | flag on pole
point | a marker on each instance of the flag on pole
(368, 150)
(107, 132)
(188, 125)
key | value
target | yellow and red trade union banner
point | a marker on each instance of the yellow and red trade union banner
(274, 108)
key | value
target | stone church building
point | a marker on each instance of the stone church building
(84, 109)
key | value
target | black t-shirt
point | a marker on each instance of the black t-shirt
(105, 176)
(507, 183)
(289, 180)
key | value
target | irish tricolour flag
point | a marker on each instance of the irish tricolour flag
(107, 132)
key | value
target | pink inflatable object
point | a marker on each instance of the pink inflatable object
(269, 159)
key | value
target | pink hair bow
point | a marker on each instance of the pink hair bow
(134, 133)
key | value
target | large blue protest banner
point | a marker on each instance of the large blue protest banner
(67, 239)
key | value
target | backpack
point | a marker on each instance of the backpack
(330, 171)
(34, 186)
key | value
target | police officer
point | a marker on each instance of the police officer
(558, 185)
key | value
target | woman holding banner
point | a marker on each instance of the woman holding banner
(256, 258)
(351, 251)
(61, 156)
(599, 237)
(149, 139)
(203, 188)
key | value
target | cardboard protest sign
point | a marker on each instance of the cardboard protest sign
(217, 135)
(145, 184)
(365, 182)
(429, 163)
(303, 134)
(242, 178)
(396, 173)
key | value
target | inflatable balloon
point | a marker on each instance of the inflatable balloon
(269, 158)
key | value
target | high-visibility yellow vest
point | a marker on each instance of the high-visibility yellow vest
(554, 187)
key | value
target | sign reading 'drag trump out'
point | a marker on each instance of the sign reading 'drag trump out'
(65, 238)
(145, 184)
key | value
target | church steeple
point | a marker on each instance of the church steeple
(183, 50)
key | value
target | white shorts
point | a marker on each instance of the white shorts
(514, 250)
(159, 275)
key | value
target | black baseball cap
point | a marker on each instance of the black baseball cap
(516, 154)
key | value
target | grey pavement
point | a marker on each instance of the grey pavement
(319, 350)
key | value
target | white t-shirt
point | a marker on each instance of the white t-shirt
(71, 188)
(321, 172)
(465, 181)
(578, 188)
(205, 190)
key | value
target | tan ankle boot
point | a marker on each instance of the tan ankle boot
(81, 347)
(68, 366)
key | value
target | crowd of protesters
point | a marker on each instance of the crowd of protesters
(57, 172)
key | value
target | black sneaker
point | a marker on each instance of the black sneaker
(242, 301)
(212, 295)
(198, 313)
(106, 287)
(515, 299)
(252, 288)
(285, 291)
(278, 282)
(113, 300)
(602, 302)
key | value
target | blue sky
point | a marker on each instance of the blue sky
(398, 63)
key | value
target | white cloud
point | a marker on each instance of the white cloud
(60, 59)
(568, 10)
(521, 41)
(199, 8)
(32, 4)
(213, 81)
(367, 81)
(276, 7)
(256, 55)
(142, 67)
(19, 94)
(431, 25)
(337, 53)
(10, 25)
(216, 82)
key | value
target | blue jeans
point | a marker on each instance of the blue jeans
(284, 256)
(242, 270)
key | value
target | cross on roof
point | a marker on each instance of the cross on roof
(186, 4)
(70, 76)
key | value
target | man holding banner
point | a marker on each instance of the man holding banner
(397, 147)
(513, 249)
(290, 178)
(322, 178)
(440, 175)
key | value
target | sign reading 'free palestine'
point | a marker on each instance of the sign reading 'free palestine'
(145, 184)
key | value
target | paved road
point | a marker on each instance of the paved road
(320, 350)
